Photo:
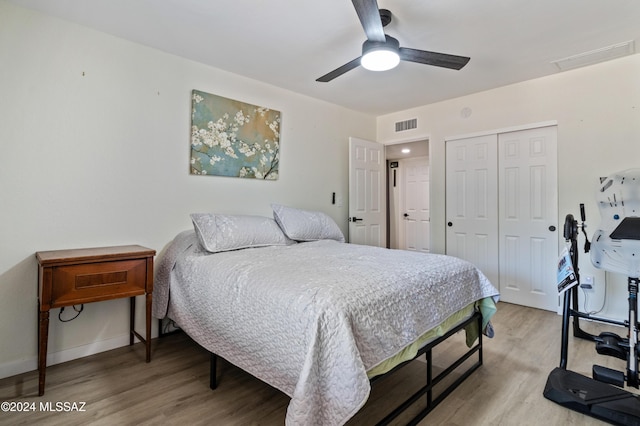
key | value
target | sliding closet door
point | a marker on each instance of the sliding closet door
(472, 202)
(502, 211)
(528, 217)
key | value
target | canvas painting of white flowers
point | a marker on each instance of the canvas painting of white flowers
(233, 138)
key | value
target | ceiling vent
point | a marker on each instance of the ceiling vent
(407, 125)
(595, 56)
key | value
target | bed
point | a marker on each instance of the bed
(287, 300)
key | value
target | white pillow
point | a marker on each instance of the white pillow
(220, 232)
(305, 225)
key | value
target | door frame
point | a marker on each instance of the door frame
(503, 130)
(426, 139)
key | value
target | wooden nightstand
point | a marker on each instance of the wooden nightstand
(74, 277)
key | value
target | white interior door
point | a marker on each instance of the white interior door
(367, 196)
(415, 204)
(472, 202)
(528, 217)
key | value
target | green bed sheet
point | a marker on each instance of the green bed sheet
(486, 306)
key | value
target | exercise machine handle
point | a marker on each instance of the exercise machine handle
(587, 244)
(570, 228)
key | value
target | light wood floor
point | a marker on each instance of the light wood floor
(118, 387)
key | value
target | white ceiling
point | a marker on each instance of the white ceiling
(290, 43)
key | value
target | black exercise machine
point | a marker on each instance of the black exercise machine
(616, 248)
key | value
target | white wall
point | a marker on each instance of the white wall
(597, 109)
(94, 151)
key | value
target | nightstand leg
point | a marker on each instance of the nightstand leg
(147, 340)
(43, 337)
(132, 319)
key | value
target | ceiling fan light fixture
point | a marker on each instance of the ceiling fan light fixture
(380, 60)
(377, 56)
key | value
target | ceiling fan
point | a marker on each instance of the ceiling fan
(381, 52)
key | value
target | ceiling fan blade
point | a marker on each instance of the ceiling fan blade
(339, 71)
(369, 15)
(433, 58)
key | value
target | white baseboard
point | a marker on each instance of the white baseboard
(13, 368)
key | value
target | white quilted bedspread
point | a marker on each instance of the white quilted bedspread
(311, 318)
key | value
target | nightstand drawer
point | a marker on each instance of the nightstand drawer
(94, 282)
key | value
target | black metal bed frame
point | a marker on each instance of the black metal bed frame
(432, 402)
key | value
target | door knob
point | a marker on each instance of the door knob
(355, 219)
(552, 228)
(406, 215)
(449, 224)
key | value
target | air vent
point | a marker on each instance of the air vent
(407, 125)
(596, 56)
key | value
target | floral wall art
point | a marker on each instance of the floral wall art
(233, 138)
